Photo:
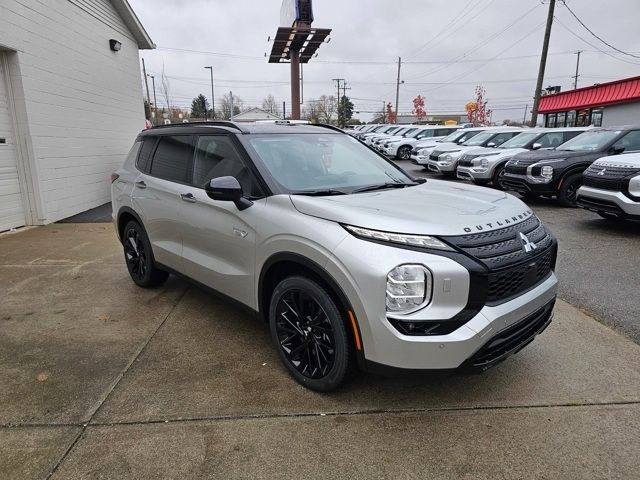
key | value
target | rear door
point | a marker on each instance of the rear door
(218, 239)
(164, 177)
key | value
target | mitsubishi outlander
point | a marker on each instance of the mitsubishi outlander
(319, 236)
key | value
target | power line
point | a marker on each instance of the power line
(592, 33)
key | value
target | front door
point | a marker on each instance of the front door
(218, 239)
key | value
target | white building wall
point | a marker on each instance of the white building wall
(79, 104)
(623, 114)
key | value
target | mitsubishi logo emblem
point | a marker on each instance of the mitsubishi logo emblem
(601, 172)
(527, 245)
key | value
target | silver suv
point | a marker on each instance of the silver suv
(319, 235)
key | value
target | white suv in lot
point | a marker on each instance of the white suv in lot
(319, 236)
(485, 165)
(400, 147)
(444, 159)
(422, 149)
(611, 187)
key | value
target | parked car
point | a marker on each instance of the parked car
(384, 130)
(319, 235)
(444, 159)
(485, 165)
(559, 172)
(611, 187)
(422, 150)
(400, 147)
(401, 131)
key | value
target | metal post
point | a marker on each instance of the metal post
(213, 99)
(338, 80)
(146, 84)
(155, 104)
(295, 84)
(575, 78)
(543, 63)
(398, 88)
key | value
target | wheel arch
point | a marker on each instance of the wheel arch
(126, 214)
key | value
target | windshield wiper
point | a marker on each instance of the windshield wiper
(319, 193)
(382, 186)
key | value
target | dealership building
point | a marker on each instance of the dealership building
(71, 104)
(605, 104)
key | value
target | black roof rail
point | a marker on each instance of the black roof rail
(213, 123)
(326, 125)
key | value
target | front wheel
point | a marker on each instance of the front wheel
(404, 152)
(309, 334)
(139, 257)
(569, 190)
(497, 177)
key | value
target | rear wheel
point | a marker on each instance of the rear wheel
(139, 257)
(569, 189)
(309, 334)
(404, 152)
(497, 176)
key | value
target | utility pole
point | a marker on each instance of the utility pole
(146, 84)
(231, 105)
(543, 63)
(155, 105)
(213, 101)
(524, 116)
(398, 88)
(384, 116)
(575, 78)
(338, 80)
(284, 110)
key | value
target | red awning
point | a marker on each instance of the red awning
(620, 91)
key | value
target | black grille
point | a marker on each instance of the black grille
(607, 178)
(434, 155)
(465, 162)
(511, 269)
(599, 205)
(516, 169)
(512, 339)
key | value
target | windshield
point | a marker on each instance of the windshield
(521, 141)
(452, 137)
(467, 136)
(423, 133)
(409, 131)
(590, 141)
(479, 139)
(307, 162)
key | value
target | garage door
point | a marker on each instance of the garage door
(11, 208)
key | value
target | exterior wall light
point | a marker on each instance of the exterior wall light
(115, 45)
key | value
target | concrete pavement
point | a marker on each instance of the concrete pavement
(102, 379)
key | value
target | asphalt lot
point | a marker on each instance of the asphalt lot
(598, 262)
(102, 379)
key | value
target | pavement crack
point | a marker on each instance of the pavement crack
(116, 381)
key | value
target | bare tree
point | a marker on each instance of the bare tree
(270, 105)
(327, 108)
(225, 106)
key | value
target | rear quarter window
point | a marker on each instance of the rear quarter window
(173, 158)
(144, 158)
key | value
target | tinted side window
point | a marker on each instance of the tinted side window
(551, 140)
(569, 135)
(216, 157)
(443, 132)
(630, 142)
(173, 157)
(144, 159)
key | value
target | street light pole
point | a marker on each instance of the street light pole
(155, 105)
(213, 99)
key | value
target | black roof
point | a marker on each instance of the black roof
(239, 128)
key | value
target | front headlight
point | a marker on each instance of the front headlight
(547, 172)
(424, 241)
(445, 159)
(408, 288)
(634, 186)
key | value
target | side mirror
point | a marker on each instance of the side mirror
(536, 146)
(616, 149)
(227, 189)
(491, 144)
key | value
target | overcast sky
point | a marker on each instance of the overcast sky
(449, 46)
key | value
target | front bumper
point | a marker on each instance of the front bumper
(474, 173)
(608, 201)
(436, 166)
(521, 184)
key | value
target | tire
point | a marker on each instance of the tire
(497, 175)
(404, 153)
(569, 189)
(309, 334)
(139, 257)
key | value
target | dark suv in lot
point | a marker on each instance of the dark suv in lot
(559, 172)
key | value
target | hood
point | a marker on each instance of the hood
(495, 152)
(433, 208)
(432, 143)
(539, 155)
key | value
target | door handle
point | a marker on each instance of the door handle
(141, 184)
(188, 197)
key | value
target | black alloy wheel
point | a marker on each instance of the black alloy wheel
(139, 257)
(569, 190)
(497, 177)
(309, 334)
(404, 153)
